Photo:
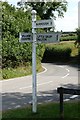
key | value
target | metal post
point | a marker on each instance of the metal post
(61, 104)
(34, 87)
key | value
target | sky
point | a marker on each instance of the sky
(70, 20)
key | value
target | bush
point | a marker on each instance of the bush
(77, 43)
(14, 53)
(68, 38)
(56, 53)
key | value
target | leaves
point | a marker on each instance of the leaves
(14, 21)
(48, 9)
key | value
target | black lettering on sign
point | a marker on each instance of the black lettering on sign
(42, 23)
(26, 36)
(26, 39)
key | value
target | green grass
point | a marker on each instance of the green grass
(47, 110)
(19, 71)
(15, 72)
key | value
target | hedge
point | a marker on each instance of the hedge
(56, 53)
(68, 38)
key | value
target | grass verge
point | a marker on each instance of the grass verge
(19, 71)
(46, 111)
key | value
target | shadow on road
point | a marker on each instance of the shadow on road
(17, 99)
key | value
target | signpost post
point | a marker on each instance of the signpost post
(34, 86)
(41, 38)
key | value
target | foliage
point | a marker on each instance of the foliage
(57, 53)
(68, 38)
(14, 21)
(26, 68)
(20, 71)
(78, 37)
(47, 9)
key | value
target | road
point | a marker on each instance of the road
(17, 92)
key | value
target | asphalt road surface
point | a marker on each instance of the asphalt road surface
(17, 92)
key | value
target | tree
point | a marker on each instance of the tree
(47, 9)
(14, 21)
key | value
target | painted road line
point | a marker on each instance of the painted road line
(61, 66)
(25, 87)
(65, 100)
(74, 96)
(45, 70)
(37, 85)
(65, 75)
(45, 83)
(66, 70)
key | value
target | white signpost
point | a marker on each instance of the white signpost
(53, 37)
(25, 37)
(34, 86)
(48, 37)
(44, 23)
(39, 38)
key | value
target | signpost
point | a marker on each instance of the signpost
(25, 37)
(38, 38)
(44, 23)
(48, 37)
(41, 37)
(34, 86)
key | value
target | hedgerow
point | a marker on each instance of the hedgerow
(56, 53)
(14, 21)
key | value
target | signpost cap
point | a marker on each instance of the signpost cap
(33, 12)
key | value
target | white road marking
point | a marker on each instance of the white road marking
(37, 85)
(74, 96)
(66, 100)
(18, 106)
(13, 103)
(49, 100)
(61, 66)
(45, 83)
(65, 75)
(30, 102)
(45, 70)
(66, 70)
(25, 87)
